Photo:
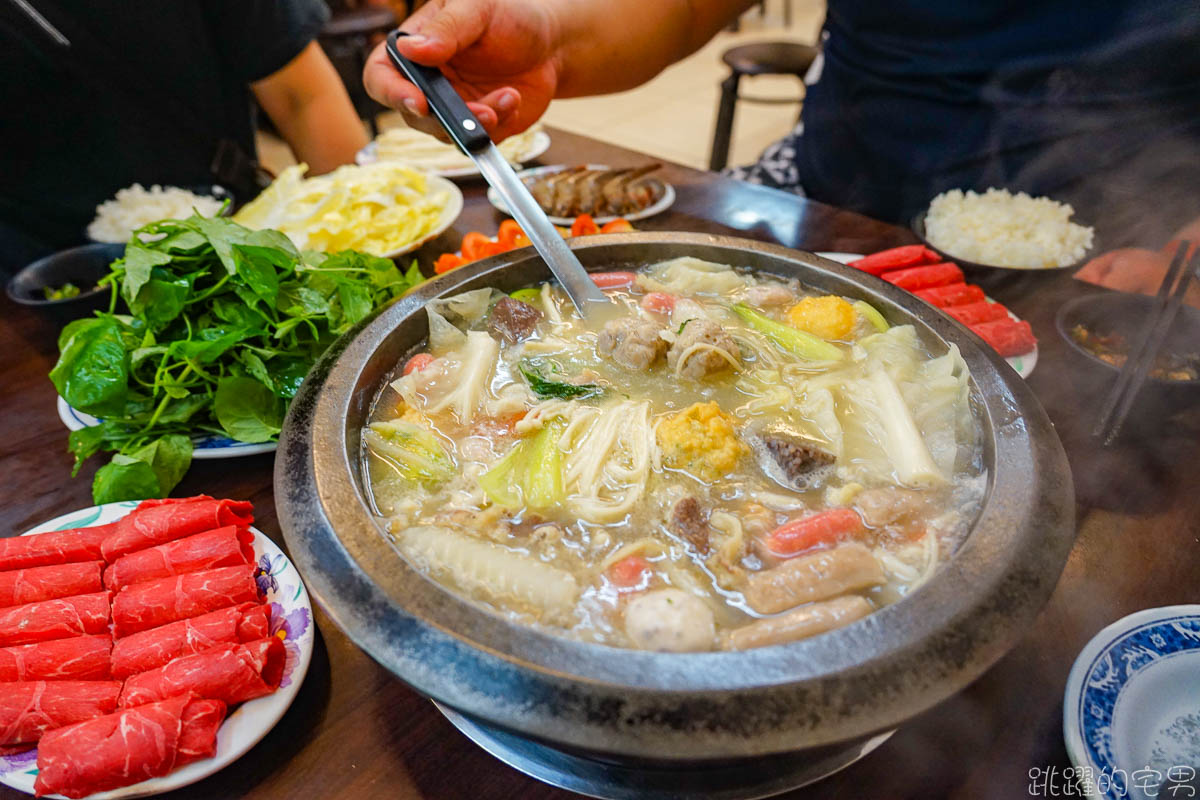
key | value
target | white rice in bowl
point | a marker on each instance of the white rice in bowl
(136, 206)
(1006, 230)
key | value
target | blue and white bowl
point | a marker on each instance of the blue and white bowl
(204, 445)
(1131, 712)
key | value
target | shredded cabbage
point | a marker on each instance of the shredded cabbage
(378, 209)
(411, 450)
(451, 317)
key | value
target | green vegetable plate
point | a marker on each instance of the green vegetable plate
(205, 445)
(1023, 363)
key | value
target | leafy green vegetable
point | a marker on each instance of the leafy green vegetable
(530, 296)
(64, 292)
(794, 340)
(531, 473)
(125, 478)
(92, 373)
(247, 410)
(411, 449)
(168, 458)
(543, 387)
(223, 324)
(871, 315)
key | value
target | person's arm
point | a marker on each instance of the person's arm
(1133, 269)
(308, 103)
(509, 58)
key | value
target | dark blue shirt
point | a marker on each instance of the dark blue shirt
(74, 134)
(1092, 101)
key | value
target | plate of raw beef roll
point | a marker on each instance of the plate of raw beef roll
(144, 646)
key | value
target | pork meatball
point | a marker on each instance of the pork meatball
(670, 620)
(699, 362)
(632, 343)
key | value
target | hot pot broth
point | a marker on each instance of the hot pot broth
(729, 461)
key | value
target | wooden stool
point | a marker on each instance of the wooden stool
(761, 58)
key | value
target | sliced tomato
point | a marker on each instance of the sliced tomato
(447, 262)
(618, 225)
(584, 225)
(476, 246)
(509, 231)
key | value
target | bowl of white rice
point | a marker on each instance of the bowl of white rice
(1002, 230)
(135, 206)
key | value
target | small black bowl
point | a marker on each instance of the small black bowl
(918, 227)
(1126, 314)
(82, 266)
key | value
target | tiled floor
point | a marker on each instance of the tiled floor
(672, 116)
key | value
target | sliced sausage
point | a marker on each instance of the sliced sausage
(513, 320)
(624, 192)
(632, 343)
(544, 188)
(846, 568)
(799, 623)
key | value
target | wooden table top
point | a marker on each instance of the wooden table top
(355, 730)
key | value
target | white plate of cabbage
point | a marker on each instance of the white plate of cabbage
(422, 151)
(385, 209)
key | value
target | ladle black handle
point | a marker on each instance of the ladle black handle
(446, 103)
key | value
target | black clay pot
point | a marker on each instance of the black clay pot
(694, 711)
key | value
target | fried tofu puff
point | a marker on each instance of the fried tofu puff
(829, 317)
(701, 440)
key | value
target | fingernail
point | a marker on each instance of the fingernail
(507, 102)
(411, 105)
(416, 38)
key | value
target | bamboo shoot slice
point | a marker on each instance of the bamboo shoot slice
(495, 572)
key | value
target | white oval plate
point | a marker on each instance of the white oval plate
(1131, 710)
(204, 446)
(450, 212)
(661, 205)
(539, 144)
(1023, 363)
(291, 618)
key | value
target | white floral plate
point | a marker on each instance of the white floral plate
(291, 620)
(204, 446)
(1131, 710)
(1023, 363)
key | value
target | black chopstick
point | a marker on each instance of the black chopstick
(1137, 365)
